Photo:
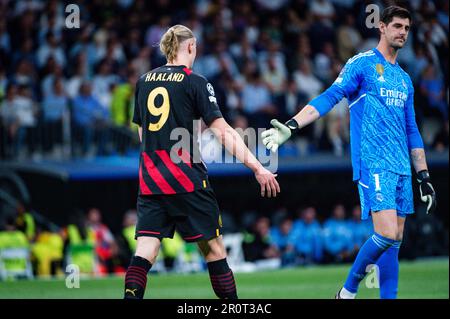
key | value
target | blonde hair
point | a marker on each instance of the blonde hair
(171, 40)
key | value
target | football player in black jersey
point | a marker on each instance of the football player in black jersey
(174, 190)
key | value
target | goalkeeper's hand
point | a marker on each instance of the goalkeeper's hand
(427, 193)
(274, 137)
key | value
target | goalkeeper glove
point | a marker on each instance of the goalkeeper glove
(274, 137)
(427, 194)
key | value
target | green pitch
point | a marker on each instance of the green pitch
(418, 279)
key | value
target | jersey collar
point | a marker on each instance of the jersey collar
(381, 57)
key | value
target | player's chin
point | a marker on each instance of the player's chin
(398, 44)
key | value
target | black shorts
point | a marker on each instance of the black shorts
(195, 216)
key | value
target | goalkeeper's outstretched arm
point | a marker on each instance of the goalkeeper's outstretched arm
(234, 144)
(315, 109)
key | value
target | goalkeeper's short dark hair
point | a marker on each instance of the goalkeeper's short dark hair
(394, 11)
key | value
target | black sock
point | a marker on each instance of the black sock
(222, 279)
(136, 278)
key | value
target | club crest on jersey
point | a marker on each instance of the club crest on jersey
(379, 197)
(380, 71)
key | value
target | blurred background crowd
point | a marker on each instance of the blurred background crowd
(69, 91)
(282, 239)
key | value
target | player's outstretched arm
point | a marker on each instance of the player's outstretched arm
(427, 193)
(280, 133)
(234, 144)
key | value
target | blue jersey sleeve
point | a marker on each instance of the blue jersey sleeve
(412, 131)
(345, 85)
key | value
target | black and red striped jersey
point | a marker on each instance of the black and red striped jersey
(168, 100)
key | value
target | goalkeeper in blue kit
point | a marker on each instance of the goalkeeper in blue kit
(384, 140)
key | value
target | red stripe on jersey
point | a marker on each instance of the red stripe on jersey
(144, 188)
(185, 157)
(156, 175)
(176, 171)
(188, 72)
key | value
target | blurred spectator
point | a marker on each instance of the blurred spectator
(3, 82)
(337, 236)
(25, 75)
(440, 142)
(142, 61)
(348, 38)
(8, 117)
(171, 248)
(337, 124)
(105, 245)
(257, 243)
(217, 62)
(256, 101)
(273, 70)
(51, 47)
(26, 53)
(307, 82)
(88, 115)
(308, 237)
(242, 51)
(125, 240)
(321, 29)
(85, 45)
(416, 66)
(283, 237)
(425, 235)
(232, 102)
(323, 63)
(103, 83)
(14, 240)
(81, 72)
(55, 107)
(80, 243)
(25, 222)
(122, 101)
(47, 253)
(361, 229)
(323, 10)
(293, 101)
(5, 41)
(25, 113)
(155, 32)
(49, 81)
(432, 87)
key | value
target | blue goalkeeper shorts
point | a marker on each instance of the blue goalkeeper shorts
(381, 190)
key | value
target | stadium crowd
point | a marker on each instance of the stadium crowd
(294, 239)
(265, 58)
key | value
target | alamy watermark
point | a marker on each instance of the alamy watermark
(373, 19)
(73, 17)
(373, 276)
(213, 146)
(72, 276)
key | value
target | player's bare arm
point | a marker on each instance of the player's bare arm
(235, 145)
(418, 159)
(306, 116)
(274, 137)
